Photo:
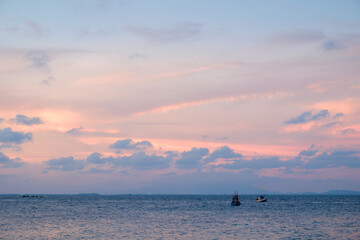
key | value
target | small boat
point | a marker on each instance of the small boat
(235, 200)
(261, 198)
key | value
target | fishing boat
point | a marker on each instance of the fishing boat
(235, 200)
(261, 198)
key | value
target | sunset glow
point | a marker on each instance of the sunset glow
(115, 96)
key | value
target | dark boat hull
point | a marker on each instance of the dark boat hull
(261, 200)
(235, 203)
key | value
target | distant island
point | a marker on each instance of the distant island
(89, 194)
(330, 192)
(341, 192)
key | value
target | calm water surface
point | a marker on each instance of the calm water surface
(179, 217)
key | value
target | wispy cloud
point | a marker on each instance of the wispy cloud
(176, 33)
(75, 131)
(245, 98)
(138, 56)
(37, 28)
(308, 117)
(40, 60)
(24, 120)
(6, 162)
(332, 45)
(349, 131)
(339, 115)
(331, 124)
(128, 144)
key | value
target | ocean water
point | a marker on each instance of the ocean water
(179, 217)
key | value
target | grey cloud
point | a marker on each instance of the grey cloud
(96, 158)
(262, 162)
(1, 120)
(328, 125)
(75, 131)
(39, 60)
(303, 118)
(348, 131)
(8, 136)
(6, 162)
(332, 45)
(192, 158)
(307, 159)
(37, 29)
(308, 117)
(98, 170)
(138, 56)
(24, 120)
(322, 114)
(64, 164)
(177, 33)
(138, 161)
(308, 153)
(128, 144)
(222, 153)
(339, 115)
(7, 146)
(142, 161)
(334, 159)
(171, 154)
(47, 81)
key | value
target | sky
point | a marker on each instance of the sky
(179, 97)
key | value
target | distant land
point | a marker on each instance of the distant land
(92, 194)
(330, 192)
(341, 192)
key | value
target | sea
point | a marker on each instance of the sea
(179, 217)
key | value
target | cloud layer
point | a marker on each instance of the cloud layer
(308, 117)
(128, 144)
(201, 158)
(22, 119)
(8, 136)
(6, 162)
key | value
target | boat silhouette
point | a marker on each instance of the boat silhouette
(235, 199)
(261, 197)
